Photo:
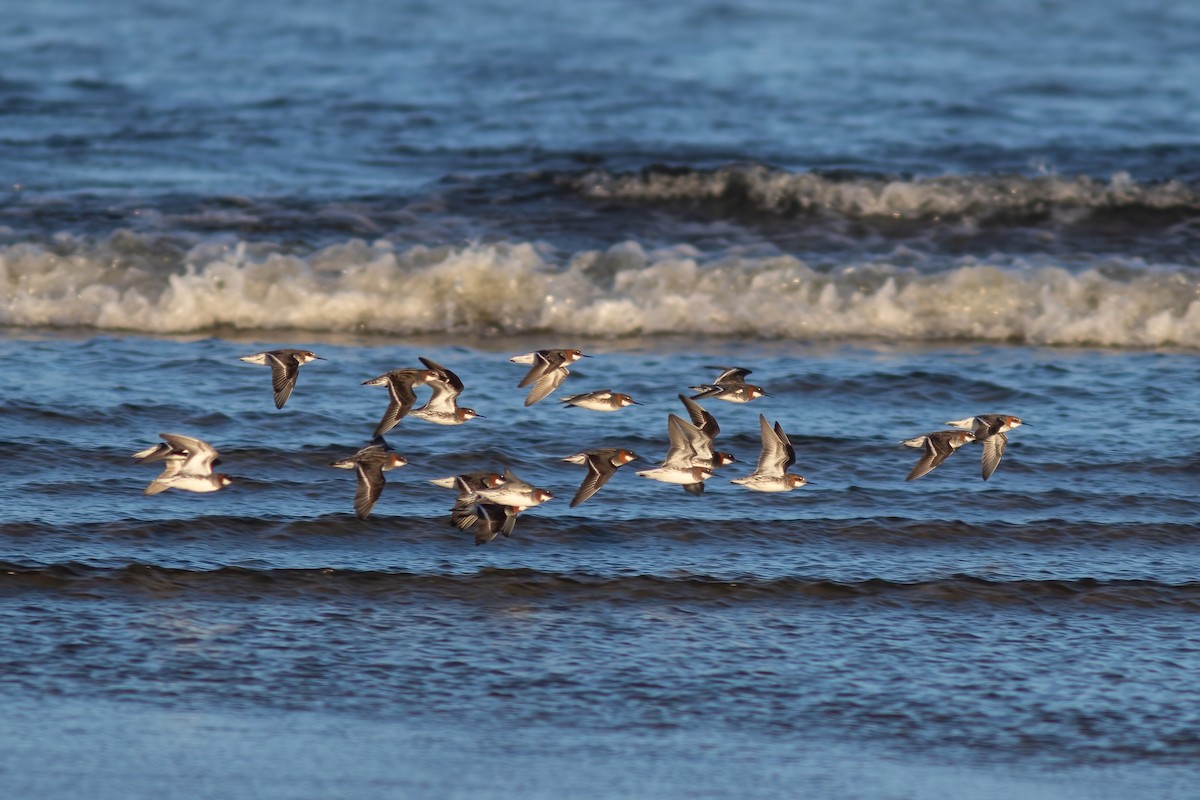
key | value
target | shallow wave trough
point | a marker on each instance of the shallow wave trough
(233, 582)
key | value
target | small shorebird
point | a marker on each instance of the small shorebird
(938, 447)
(189, 465)
(470, 482)
(777, 455)
(515, 492)
(492, 511)
(700, 435)
(485, 520)
(602, 400)
(689, 456)
(678, 474)
(443, 408)
(601, 463)
(369, 464)
(285, 368)
(548, 372)
(471, 512)
(401, 384)
(989, 430)
(729, 386)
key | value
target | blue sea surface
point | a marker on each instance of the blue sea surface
(895, 213)
(339, 99)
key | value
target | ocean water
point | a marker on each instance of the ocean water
(896, 214)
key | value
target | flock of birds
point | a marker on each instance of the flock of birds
(488, 502)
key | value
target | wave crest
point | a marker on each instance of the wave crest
(979, 197)
(624, 291)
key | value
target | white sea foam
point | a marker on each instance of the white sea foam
(521, 288)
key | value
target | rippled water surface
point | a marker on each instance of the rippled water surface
(1042, 616)
(896, 216)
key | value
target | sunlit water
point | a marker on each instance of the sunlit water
(895, 219)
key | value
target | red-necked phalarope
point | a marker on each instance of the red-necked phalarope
(777, 455)
(689, 456)
(285, 368)
(547, 373)
(601, 462)
(443, 408)
(188, 467)
(707, 427)
(989, 430)
(602, 400)
(401, 384)
(729, 386)
(938, 447)
(369, 464)
(485, 520)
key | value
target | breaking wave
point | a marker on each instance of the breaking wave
(363, 287)
(857, 195)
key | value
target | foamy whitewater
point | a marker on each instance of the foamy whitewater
(483, 289)
(893, 216)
